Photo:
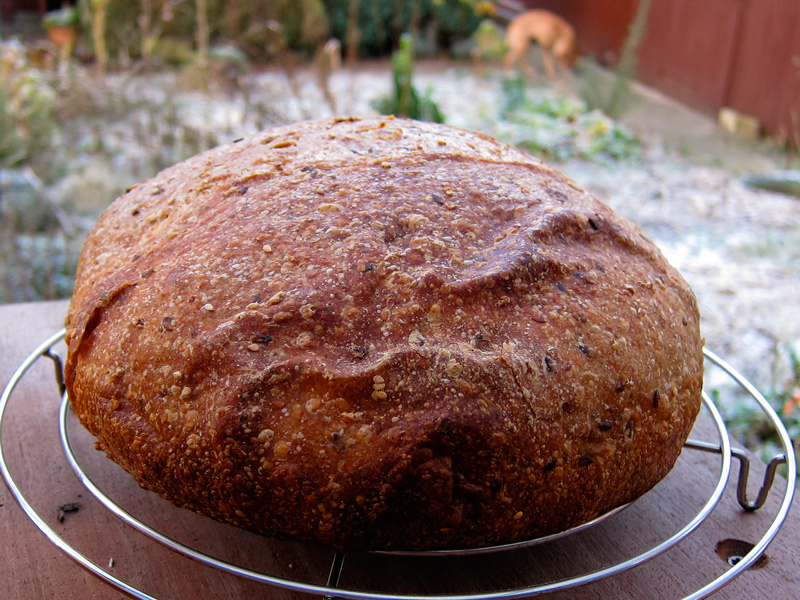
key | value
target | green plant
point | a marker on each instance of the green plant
(559, 127)
(120, 31)
(27, 104)
(512, 96)
(173, 51)
(488, 41)
(381, 24)
(406, 101)
(67, 16)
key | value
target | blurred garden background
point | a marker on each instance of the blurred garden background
(98, 95)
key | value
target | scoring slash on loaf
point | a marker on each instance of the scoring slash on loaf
(381, 334)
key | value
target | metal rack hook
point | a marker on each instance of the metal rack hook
(744, 473)
(766, 486)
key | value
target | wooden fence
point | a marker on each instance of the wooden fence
(708, 54)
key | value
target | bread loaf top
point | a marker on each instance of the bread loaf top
(381, 334)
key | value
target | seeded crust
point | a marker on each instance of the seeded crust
(381, 334)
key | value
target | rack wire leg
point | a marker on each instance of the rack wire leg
(335, 573)
(59, 367)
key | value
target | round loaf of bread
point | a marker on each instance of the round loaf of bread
(381, 334)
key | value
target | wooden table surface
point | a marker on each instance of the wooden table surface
(32, 568)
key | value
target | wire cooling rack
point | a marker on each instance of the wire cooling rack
(331, 589)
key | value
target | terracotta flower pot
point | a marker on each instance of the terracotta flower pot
(63, 36)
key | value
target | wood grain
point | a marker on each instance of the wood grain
(31, 567)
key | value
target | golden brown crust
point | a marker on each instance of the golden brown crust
(381, 334)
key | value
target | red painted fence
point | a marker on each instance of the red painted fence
(708, 54)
